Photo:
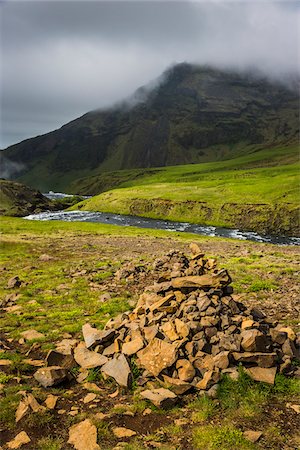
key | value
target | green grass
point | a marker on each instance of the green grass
(236, 192)
(220, 438)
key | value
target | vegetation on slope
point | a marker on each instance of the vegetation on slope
(16, 199)
(255, 192)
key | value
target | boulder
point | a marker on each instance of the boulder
(55, 358)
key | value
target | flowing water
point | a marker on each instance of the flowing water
(141, 222)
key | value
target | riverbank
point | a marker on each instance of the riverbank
(69, 275)
(258, 192)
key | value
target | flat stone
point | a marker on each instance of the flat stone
(50, 376)
(34, 362)
(5, 362)
(195, 249)
(93, 337)
(158, 355)
(179, 387)
(261, 359)
(132, 347)
(21, 439)
(247, 323)
(29, 335)
(279, 337)
(162, 398)
(121, 432)
(66, 346)
(83, 436)
(118, 369)
(88, 359)
(218, 280)
(262, 374)
(92, 387)
(51, 401)
(89, 398)
(252, 436)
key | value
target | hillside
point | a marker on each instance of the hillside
(18, 200)
(258, 192)
(193, 115)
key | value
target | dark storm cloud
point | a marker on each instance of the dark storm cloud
(62, 59)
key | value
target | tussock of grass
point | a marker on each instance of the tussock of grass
(220, 438)
(203, 409)
(49, 443)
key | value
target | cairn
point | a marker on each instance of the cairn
(185, 332)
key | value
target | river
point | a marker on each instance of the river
(141, 222)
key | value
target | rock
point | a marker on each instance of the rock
(89, 398)
(195, 249)
(217, 280)
(66, 346)
(295, 408)
(132, 347)
(29, 335)
(232, 372)
(50, 376)
(265, 375)
(55, 358)
(261, 359)
(118, 369)
(93, 337)
(162, 398)
(21, 439)
(247, 323)
(83, 436)
(179, 387)
(252, 436)
(209, 379)
(22, 410)
(277, 336)
(121, 432)
(289, 349)
(253, 341)
(289, 331)
(185, 369)
(182, 329)
(14, 282)
(45, 257)
(88, 359)
(51, 401)
(221, 360)
(157, 356)
(92, 387)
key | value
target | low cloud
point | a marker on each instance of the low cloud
(62, 59)
(8, 169)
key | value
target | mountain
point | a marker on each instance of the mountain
(193, 114)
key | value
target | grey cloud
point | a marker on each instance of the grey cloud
(62, 59)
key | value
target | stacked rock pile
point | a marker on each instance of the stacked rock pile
(185, 332)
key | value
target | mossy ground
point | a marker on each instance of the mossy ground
(59, 295)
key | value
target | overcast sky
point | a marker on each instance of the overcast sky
(62, 59)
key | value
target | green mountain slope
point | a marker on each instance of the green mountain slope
(194, 114)
(258, 192)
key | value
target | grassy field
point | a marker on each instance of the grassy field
(62, 292)
(258, 192)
